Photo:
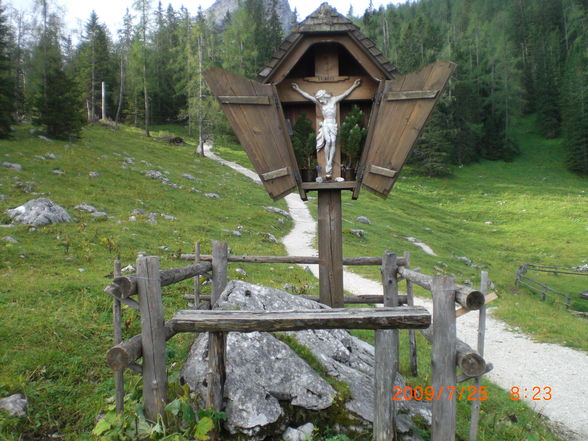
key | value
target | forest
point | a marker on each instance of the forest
(514, 57)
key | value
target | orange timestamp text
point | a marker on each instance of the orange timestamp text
(535, 393)
(418, 393)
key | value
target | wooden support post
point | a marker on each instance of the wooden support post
(217, 341)
(475, 419)
(330, 248)
(197, 277)
(119, 381)
(443, 358)
(220, 252)
(152, 337)
(411, 333)
(386, 358)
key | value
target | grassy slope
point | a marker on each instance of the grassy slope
(497, 214)
(55, 319)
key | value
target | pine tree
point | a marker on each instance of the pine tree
(6, 78)
(352, 137)
(304, 142)
(55, 99)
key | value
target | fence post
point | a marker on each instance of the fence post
(217, 341)
(196, 278)
(119, 381)
(478, 381)
(443, 358)
(411, 332)
(152, 336)
(386, 358)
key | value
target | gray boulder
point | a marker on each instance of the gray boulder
(12, 166)
(39, 212)
(91, 209)
(256, 368)
(363, 220)
(15, 405)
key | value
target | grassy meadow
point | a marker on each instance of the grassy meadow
(55, 320)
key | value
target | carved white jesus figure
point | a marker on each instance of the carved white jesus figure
(326, 135)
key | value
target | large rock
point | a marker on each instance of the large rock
(39, 212)
(220, 9)
(258, 363)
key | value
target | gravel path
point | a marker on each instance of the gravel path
(518, 360)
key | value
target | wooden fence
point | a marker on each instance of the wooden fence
(448, 352)
(541, 288)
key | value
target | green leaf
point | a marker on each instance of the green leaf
(102, 426)
(204, 426)
(174, 407)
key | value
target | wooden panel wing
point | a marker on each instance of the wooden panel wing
(256, 116)
(403, 107)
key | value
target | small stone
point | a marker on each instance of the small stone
(15, 405)
(358, 233)
(85, 207)
(99, 215)
(488, 222)
(164, 248)
(168, 217)
(50, 156)
(189, 177)
(133, 219)
(147, 163)
(194, 190)
(26, 187)
(241, 271)
(128, 269)
(138, 211)
(58, 172)
(9, 239)
(154, 174)
(3, 197)
(466, 260)
(12, 166)
(363, 220)
(94, 174)
(281, 220)
(270, 237)
(212, 195)
(44, 138)
(152, 218)
(278, 211)
(129, 161)
(81, 270)
(288, 287)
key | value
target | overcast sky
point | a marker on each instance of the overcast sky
(77, 12)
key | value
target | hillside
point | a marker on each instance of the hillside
(57, 321)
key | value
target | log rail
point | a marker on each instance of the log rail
(398, 312)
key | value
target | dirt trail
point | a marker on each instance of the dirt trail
(518, 360)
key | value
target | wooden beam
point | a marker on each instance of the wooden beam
(125, 286)
(467, 297)
(443, 356)
(382, 171)
(257, 100)
(121, 356)
(411, 333)
(330, 243)
(268, 321)
(304, 260)
(276, 174)
(153, 337)
(411, 95)
(386, 358)
(366, 299)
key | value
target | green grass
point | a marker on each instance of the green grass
(497, 214)
(55, 317)
(56, 321)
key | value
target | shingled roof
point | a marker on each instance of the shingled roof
(326, 20)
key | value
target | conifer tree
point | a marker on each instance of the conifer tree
(55, 100)
(6, 78)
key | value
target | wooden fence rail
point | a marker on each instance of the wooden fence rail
(541, 288)
(447, 351)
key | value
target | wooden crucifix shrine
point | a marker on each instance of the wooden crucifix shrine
(327, 58)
